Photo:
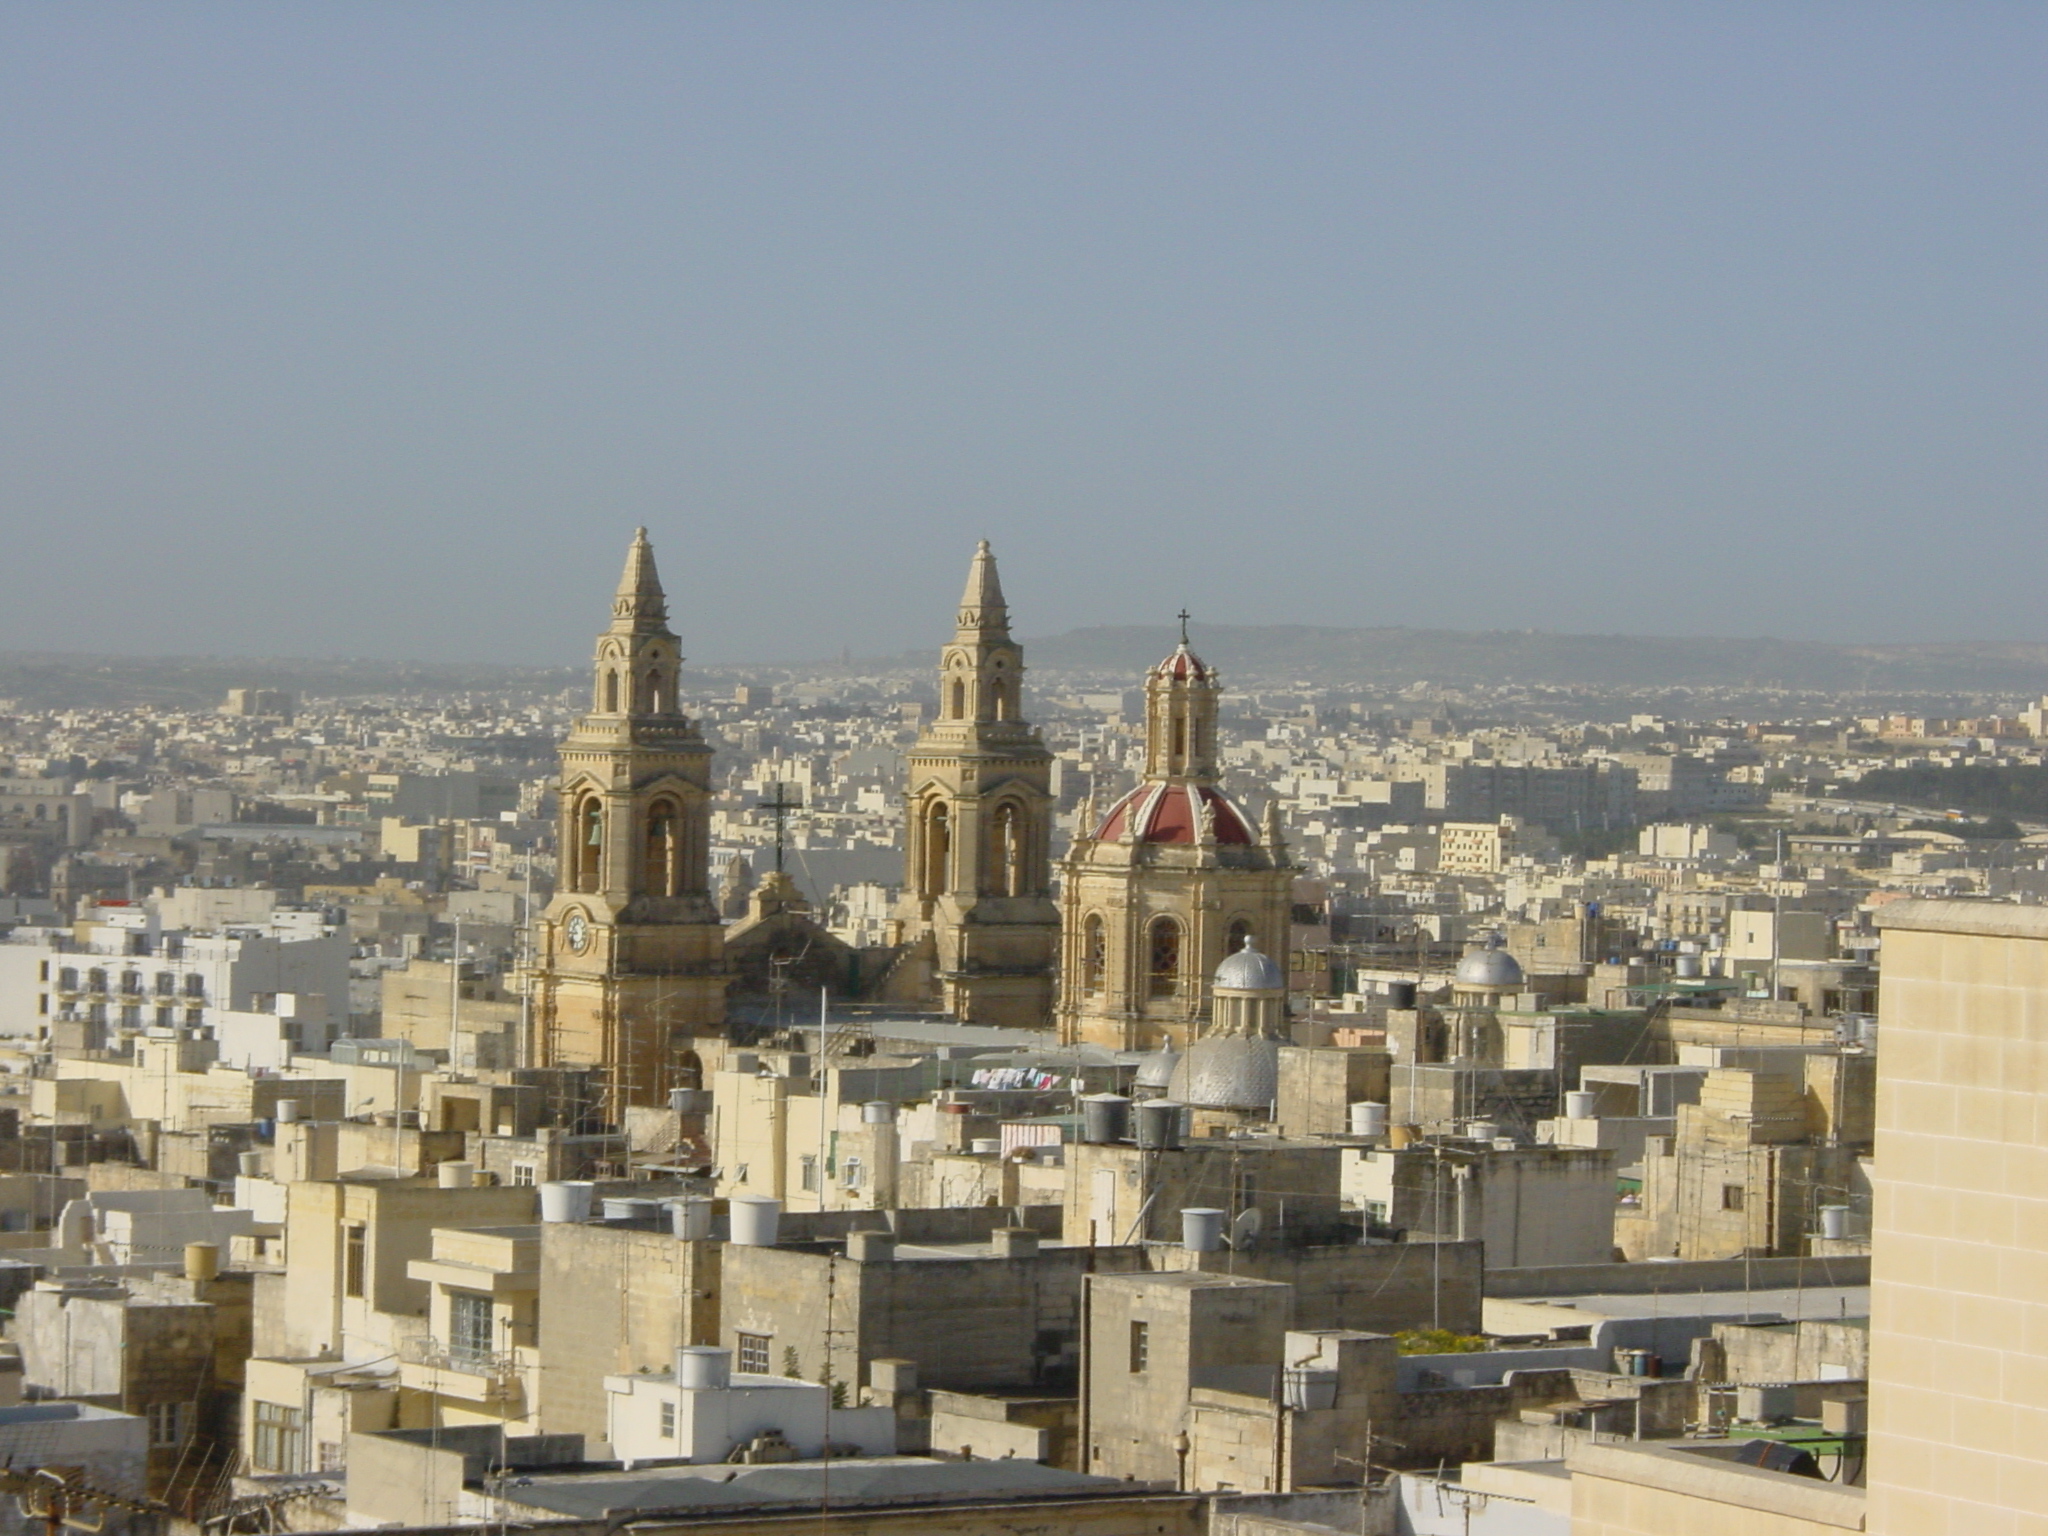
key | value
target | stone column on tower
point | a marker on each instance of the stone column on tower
(627, 970)
(981, 930)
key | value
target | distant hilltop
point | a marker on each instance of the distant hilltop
(1374, 660)
(1398, 657)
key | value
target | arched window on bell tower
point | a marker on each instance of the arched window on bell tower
(1094, 953)
(938, 847)
(661, 864)
(959, 709)
(1240, 930)
(1007, 833)
(1164, 957)
(589, 844)
(611, 690)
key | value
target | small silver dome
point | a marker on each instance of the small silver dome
(1488, 968)
(1156, 1070)
(1229, 1072)
(1250, 971)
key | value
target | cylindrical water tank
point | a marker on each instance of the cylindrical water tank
(1201, 1228)
(755, 1220)
(628, 1209)
(568, 1200)
(1105, 1118)
(1481, 1130)
(1401, 995)
(287, 1112)
(1304, 1390)
(1581, 1104)
(1159, 1125)
(878, 1112)
(250, 1165)
(1834, 1221)
(202, 1261)
(985, 1146)
(456, 1175)
(690, 1217)
(704, 1367)
(1686, 967)
(1368, 1118)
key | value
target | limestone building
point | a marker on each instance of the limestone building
(628, 956)
(1959, 1244)
(1171, 879)
(978, 914)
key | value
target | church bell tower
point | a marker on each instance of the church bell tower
(978, 910)
(628, 957)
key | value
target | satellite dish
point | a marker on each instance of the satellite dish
(1245, 1230)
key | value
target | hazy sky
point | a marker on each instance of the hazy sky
(375, 328)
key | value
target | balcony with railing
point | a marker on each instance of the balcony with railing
(457, 1369)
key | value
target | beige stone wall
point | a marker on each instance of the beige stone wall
(1654, 1491)
(1959, 1305)
(615, 1300)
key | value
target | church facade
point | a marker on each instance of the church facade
(1161, 886)
(628, 967)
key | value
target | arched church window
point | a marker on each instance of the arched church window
(1165, 956)
(661, 863)
(1240, 930)
(1180, 737)
(1006, 850)
(1094, 952)
(589, 843)
(959, 700)
(937, 848)
(611, 692)
(1001, 692)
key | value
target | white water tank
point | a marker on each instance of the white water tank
(755, 1220)
(568, 1200)
(1581, 1104)
(690, 1217)
(985, 1146)
(287, 1112)
(1201, 1228)
(703, 1366)
(1368, 1118)
(1834, 1221)
(878, 1112)
(1305, 1390)
(456, 1175)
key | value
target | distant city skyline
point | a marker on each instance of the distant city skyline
(374, 331)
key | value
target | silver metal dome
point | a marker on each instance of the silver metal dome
(1156, 1070)
(1249, 970)
(1229, 1072)
(1488, 968)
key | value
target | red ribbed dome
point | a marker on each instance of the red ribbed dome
(1183, 665)
(1171, 813)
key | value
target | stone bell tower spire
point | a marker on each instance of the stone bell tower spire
(978, 808)
(629, 956)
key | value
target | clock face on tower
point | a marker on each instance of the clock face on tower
(576, 929)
